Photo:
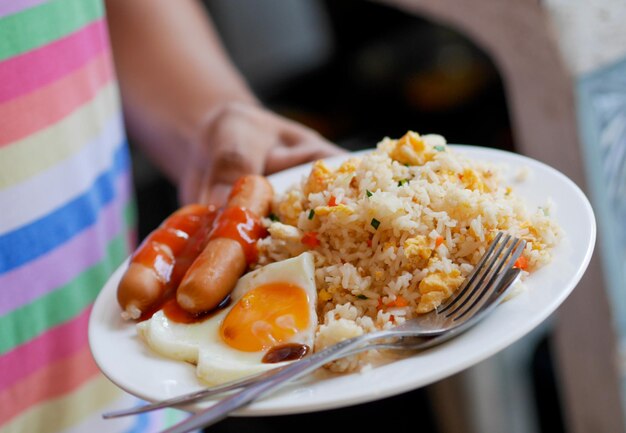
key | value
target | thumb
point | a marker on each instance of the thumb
(223, 171)
(283, 157)
(216, 193)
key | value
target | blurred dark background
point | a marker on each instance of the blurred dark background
(358, 71)
(372, 71)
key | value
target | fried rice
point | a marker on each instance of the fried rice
(394, 233)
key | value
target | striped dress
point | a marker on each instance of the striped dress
(66, 215)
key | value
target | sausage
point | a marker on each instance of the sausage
(231, 247)
(161, 260)
(252, 192)
(212, 276)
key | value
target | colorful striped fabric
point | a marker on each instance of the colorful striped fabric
(66, 214)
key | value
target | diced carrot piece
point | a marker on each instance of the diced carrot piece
(332, 201)
(521, 263)
(438, 241)
(310, 239)
(401, 301)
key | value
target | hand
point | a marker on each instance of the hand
(238, 139)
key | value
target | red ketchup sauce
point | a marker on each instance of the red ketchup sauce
(237, 188)
(175, 313)
(241, 225)
(234, 223)
(172, 247)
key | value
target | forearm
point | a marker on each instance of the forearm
(172, 72)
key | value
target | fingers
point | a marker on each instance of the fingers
(189, 188)
(236, 147)
(215, 193)
(282, 157)
(238, 140)
(230, 161)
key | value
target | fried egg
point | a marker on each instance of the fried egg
(270, 307)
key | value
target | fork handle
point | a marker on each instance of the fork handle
(229, 404)
(192, 397)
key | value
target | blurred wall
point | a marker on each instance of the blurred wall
(272, 41)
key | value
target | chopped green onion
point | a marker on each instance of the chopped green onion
(311, 214)
(361, 296)
(273, 217)
(375, 223)
(440, 148)
(368, 192)
(407, 165)
(403, 182)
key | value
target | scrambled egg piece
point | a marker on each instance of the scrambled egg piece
(534, 237)
(324, 295)
(339, 208)
(411, 149)
(532, 231)
(378, 275)
(388, 245)
(436, 288)
(417, 250)
(349, 166)
(284, 232)
(473, 180)
(318, 179)
(290, 207)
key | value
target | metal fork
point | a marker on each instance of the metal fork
(488, 304)
(403, 343)
(453, 316)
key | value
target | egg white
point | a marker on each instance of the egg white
(201, 344)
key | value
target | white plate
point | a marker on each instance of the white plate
(133, 367)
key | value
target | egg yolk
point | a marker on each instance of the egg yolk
(266, 316)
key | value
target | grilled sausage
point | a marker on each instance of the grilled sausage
(161, 260)
(231, 247)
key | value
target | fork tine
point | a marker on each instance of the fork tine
(484, 272)
(478, 274)
(496, 274)
(420, 343)
(511, 275)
